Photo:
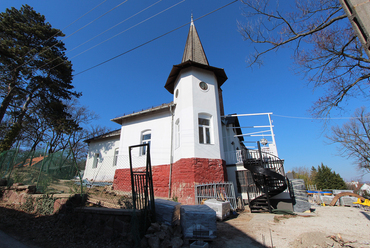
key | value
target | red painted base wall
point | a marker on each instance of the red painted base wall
(185, 174)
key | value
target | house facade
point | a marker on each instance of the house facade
(191, 140)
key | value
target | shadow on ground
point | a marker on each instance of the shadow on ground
(366, 215)
(65, 230)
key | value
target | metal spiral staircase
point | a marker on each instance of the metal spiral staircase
(268, 178)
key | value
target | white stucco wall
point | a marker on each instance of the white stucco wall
(191, 102)
(231, 144)
(105, 169)
(159, 124)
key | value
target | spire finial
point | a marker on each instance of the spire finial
(192, 23)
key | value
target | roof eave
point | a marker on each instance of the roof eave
(146, 111)
(219, 73)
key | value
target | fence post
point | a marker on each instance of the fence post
(75, 163)
(42, 165)
(12, 162)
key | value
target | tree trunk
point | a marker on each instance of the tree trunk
(16, 128)
(9, 97)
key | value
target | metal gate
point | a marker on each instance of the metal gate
(221, 191)
(142, 183)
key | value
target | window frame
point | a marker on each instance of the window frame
(144, 140)
(205, 129)
(96, 160)
(115, 156)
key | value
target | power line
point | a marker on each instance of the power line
(114, 26)
(95, 19)
(129, 28)
(98, 36)
(145, 43)
(54, 36)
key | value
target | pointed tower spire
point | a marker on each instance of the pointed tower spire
(193, 47)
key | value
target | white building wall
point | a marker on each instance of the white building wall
(105, 168)
(231, 145)
(191, 101)
(159, 124)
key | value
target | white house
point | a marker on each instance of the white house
(191, 141)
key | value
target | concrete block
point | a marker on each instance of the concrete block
(327, 199)
(338, 191)
(222, 208)
(347, 200)
(198, 222)
(167, 212)
(298, 184)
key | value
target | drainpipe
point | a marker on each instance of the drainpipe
(171, 153)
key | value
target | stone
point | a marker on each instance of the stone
(300, 201)
(154, 242)
(151, 230)
(156, 227)
(149, 235)
(161, 234)
(144, 242)
(166, 243)
(176, 242)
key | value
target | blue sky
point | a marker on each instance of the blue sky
(136, 80)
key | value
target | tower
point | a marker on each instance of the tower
(198, 149)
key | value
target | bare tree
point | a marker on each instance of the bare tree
(326, 49)
(354, 138)
(41, 133)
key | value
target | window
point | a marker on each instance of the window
(203, 85)
(145, 139)
(116, 151)
(177, 133)
(96, 160)
(204, 130)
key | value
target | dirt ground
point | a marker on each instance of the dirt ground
(325, 227)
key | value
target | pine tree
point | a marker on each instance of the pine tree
(34, 73)
(325, 178)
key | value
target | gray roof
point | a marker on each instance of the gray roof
(105, 135)
(145, 111)
(194, 55)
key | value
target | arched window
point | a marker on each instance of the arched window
(204, 123)
(146, 137)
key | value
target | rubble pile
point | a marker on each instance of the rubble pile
(162, 235)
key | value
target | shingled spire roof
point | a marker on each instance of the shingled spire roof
(194, 56)
(193, 47)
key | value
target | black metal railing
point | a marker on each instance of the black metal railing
(268, 176)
